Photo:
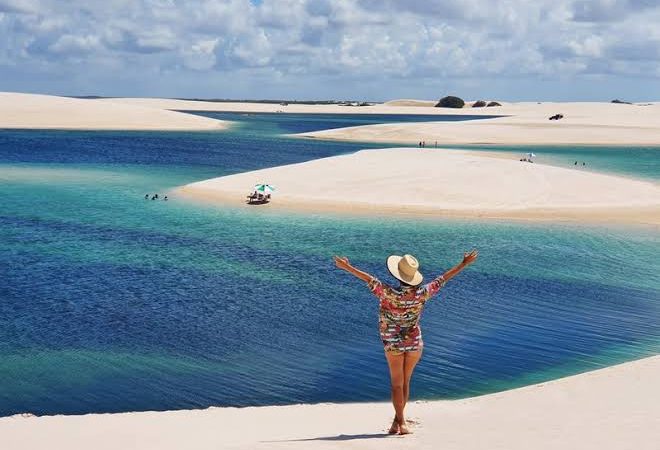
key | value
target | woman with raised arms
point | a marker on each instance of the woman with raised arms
(400, 310)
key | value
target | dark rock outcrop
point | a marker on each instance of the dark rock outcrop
(479, 104)
(450, 102)
(493, 104)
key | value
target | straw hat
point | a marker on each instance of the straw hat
(405, 268)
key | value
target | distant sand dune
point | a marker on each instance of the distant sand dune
(52, 112)
(442, 183)
(524, 123)
(610, 409)
(409, 102)
(417, 107)
(587, 123)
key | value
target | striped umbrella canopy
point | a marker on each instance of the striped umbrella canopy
(265, 188)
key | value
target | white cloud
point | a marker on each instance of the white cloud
(386, 40)
(254, 49)
(19, 6)
(71, 44)
(591, 47)
(155, 40)
(201, 54)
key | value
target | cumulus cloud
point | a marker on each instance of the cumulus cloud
(19, 6)
(609, 10)
(200, 55)
(274, 43)
(71, 44)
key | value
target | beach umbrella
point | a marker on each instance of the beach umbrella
(264, 188)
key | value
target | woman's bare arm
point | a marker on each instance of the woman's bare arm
(468, 258)
(342, 263)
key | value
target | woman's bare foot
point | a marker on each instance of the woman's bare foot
(394, 429)
(403, 428)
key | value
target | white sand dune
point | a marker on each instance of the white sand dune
(395, 107)
(439, 183)
(411, 102)
(588, 123)
(615, 408)
(525, 123)
(31, 111)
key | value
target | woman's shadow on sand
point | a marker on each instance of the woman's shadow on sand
(340, 437)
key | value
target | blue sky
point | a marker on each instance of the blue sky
(322, 49)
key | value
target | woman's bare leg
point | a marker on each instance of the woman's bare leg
(409, 362)
(395, 362)
(394, 428)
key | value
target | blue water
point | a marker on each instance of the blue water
(112, 303)
(633, 162)
(273, 123)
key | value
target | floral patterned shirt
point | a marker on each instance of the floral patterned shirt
(400, 310)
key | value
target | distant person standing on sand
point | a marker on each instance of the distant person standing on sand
(400, 309)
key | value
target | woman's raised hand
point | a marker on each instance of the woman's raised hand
(342, 262)
(469, 258)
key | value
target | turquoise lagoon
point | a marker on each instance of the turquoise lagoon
(109, 302)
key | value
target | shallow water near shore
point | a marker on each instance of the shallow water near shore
(632, 162)
(109, 302)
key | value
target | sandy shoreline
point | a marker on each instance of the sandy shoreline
(518, 192)
(521, 123)
(31, 111)
(440, 183)
(613, 408)
(295, 108)
(524, 123)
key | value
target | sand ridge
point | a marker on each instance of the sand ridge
(442, 183)
(586, 123)
(414, 107)
(608, 409)
(523, 123)
(32, 111)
